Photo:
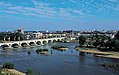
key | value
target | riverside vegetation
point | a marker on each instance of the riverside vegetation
(9, 69)
(42, 51)
(6, 66)
(101, 43)
(58, 47)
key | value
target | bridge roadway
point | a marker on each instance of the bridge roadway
(30, 42)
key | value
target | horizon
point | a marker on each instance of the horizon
(61, 30)
(42, 15)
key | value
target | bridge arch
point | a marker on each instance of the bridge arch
(4, 46)
(15, 45)
(58, 40)
(62, 40)
(44, 42)
(49, 41)
(32, 44)
(54, 40)
(24, 44)
(38, 42)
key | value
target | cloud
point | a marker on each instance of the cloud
(72, 1)
(40, 9)
(32, 11)
(79, 12)
(3, 4)
(100, 6)
(47, 10)
(39, 4)
(63, 12)
(11, 12)
(52, 11)
(113, 0)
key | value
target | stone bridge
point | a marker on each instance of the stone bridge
(34, 42)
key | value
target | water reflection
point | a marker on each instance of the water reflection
(82, 59)
(29, 52)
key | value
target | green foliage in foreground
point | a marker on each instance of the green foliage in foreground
(8, 65)
(29, 72)
(3, 74)
(82, 40)
(0, 69)
(57, 47)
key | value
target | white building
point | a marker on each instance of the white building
(37, 35)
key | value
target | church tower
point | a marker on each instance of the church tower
(22, 30)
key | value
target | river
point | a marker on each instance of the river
(58, 63)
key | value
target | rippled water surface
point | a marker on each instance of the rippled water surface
(58, 63)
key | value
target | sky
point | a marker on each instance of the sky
(59, 15)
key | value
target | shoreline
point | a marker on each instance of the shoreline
(12, 71)
(113, 56)
(98, 53)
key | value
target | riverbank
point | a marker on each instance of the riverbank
(58, 47)
(114, 55)
(98, 53)
(12, 71)
(95, 52)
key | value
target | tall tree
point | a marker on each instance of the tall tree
(117, 35)
(82, 40)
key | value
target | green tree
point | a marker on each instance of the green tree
(96, 43)
(82, 40)
(29, 72)
(8, 65)
(111, 44)
(117, 35)
(19, 36)
(116, 45)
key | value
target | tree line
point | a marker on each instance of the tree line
(102, 42)
(9, 36)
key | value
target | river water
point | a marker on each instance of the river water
(58, 63)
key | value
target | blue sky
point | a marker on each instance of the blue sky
(59, 14)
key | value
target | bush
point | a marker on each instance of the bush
(82, 40)
(57, 47)
(29, 72)
(0, 70)
(8, 65)
(40, 50)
